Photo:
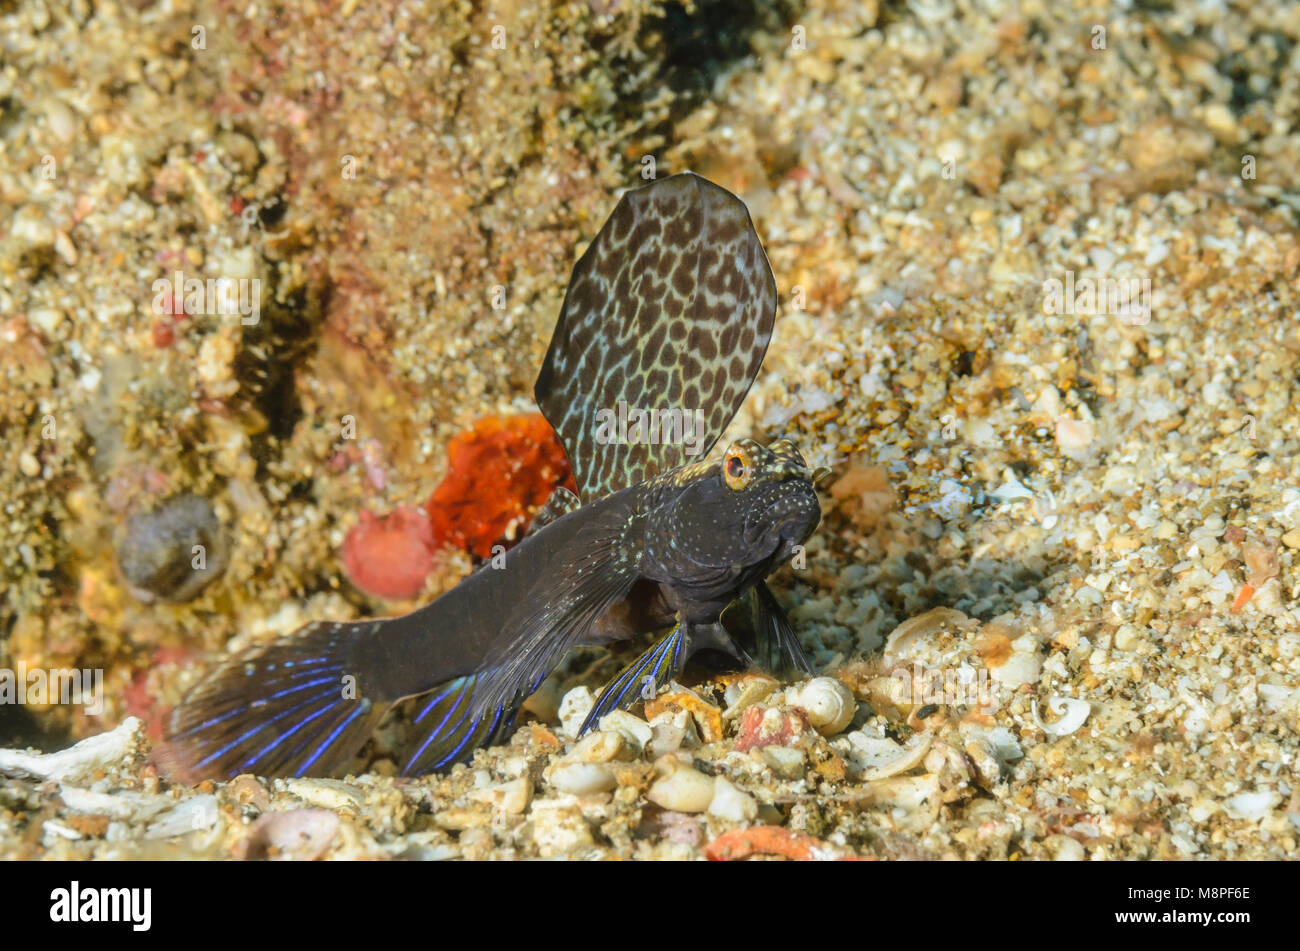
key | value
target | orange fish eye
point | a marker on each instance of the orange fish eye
(736, 468)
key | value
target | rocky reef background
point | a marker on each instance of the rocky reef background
(1100, 509)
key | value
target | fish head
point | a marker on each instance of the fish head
(771, 490)
(747, 512)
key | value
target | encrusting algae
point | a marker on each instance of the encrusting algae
(498, 474)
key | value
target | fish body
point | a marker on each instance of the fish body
(672, 305)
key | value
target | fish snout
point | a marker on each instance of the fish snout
(788, 516)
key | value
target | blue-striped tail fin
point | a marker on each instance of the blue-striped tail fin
(290, 708)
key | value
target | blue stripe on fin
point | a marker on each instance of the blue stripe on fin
(454, 733)
(279, 709)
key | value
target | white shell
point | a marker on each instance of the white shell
(121, 805)
(906, 792)
(189, 815)
(738, 696)
(575, 706)
(511, 797)
(1251, 805)
(103, 750)
(905, 640)
(680, 788)
(559, 827)
(1065, 849)
(788, 762)
(515, 795)
(324, 793)
(600, 747)
(1011, 489)
(1275, 697)
(829, 704)
(1023, 667)
(991, 750)
(879, 757)
(672, 729)
(731, 803)
(1071, 715)
(583, 779)
(635, 731)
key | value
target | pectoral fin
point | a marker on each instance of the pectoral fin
(594, 572)
(767, 633)
(776, 647)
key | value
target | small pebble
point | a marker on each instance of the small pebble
(680, 788)
(1128, 638)
(583, 779)
(730, 803)
(175, 550)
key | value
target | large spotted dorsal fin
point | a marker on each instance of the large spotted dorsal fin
(670, 309)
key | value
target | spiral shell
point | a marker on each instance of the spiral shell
(829, 704)
(1071, 712)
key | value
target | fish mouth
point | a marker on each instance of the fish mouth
(791, 516)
